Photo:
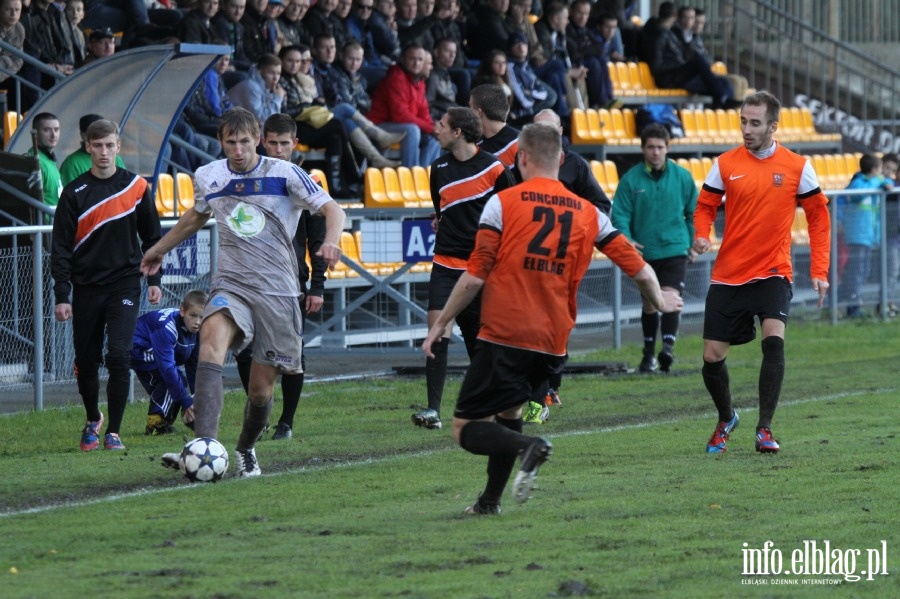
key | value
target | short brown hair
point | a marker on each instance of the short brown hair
(466, 121)
(767, 99)
(100, 129)
(194, 297)
(238, 120)
(543, 144)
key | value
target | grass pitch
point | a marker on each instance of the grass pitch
(366, 505)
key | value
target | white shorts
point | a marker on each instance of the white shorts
(272, 323)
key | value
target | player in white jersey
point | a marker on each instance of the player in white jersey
(257, 203)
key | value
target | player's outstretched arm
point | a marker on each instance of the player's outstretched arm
(334, 226)
(189, 223)
(664, 301)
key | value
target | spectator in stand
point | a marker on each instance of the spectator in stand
(359, 129)
(414, 27)
(493, 70)
(74, 17)
(490, 31)
(739, 83)
(684, 24)
(558, 72)
(260, 93)
(673, 67)
(625, 38)
(227, 26)
(13, 33)
(530, 94)
(440, 91)
(359, 27)
(383, 26)
(301, 94)
(127, 16)
(259, 30)
(272, 12)
(79, 161)
(517, 19)
(290, 24)
(210, 101)
(609, 28)
(351, 85)
(445, 26)
(399, 105)
(586, 48)
(45, 41)
(490, 104)
(45, 128)
(194, 27)
(101, 44)
(321, 19)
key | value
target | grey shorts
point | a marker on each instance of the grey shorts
(272, 324)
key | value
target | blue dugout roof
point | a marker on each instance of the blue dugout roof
(143, 89)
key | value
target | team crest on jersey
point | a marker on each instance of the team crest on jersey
(239, 187)
(246, 220)
(257, 186)
(777, 179)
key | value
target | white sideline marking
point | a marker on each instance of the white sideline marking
(370, 461)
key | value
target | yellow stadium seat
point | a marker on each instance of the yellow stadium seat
(319, 177)
(581, 133)
(719, 68)
(627, 85)
(851, 162)
(712, 125)
(612, 176)
(599, 125)
(631, 131)
(165, 194)
(349, 249)
(800, 228)
(184, 186)
(394, 191)
(408, 186)
(646, 79)
(10, 122)
(689, 123)
(634, 76)
(379, 268)
(423, 187)
(375, 195)
(599, 173)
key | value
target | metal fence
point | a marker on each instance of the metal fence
(384, 312)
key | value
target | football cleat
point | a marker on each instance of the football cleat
(173, 461)
(427, 418)
(246, 463)
(537, 453)
(648, 364)
(282, 432)
(552, 398)
(716, 443)
(535, 413)
(665, 359)
(479, 509)
(764, 441)
(90, 435)
(112, 441)
(158, 425)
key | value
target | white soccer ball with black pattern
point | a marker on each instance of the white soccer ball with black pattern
(205, 460)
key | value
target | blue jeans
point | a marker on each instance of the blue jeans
(416, 149)
(344, 112)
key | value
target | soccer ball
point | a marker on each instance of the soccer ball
(204, 460)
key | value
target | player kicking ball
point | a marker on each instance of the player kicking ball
(533, 246)
(253, 299)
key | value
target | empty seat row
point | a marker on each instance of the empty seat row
(174, 195)
(399, 187)
(634, 79)
(834, 171)
(352, 247)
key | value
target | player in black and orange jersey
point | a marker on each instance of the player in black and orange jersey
(96, 256)
(752, 275)
(490, 104)
(534, 245)
(461, 182)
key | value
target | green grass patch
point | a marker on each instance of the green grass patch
(366, 505)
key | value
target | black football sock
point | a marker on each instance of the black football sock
(243, 361)
(208, 399)
(89, 388)
(255, 420)
(669, 328)
(291, 388)
(715, 377)
(436, 373)
(482, 437)
(649, 324)
(771, 375)
(499, 468)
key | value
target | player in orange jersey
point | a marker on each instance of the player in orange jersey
(533, 247)
(752, 275)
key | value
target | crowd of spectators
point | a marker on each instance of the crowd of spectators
(343, 67)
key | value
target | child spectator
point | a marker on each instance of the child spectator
(859, 219)
(163, 341)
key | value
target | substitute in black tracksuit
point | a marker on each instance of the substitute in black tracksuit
(96, 256)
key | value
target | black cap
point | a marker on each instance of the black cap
(86, 121)
(101, 33)
(517, 37)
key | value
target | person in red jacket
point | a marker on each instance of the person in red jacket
(399, 105)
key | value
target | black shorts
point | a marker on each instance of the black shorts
(440, 285)
(730, 309)
(670, 271)
(500, 378)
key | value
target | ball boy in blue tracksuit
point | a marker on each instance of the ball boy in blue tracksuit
(163, 341)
